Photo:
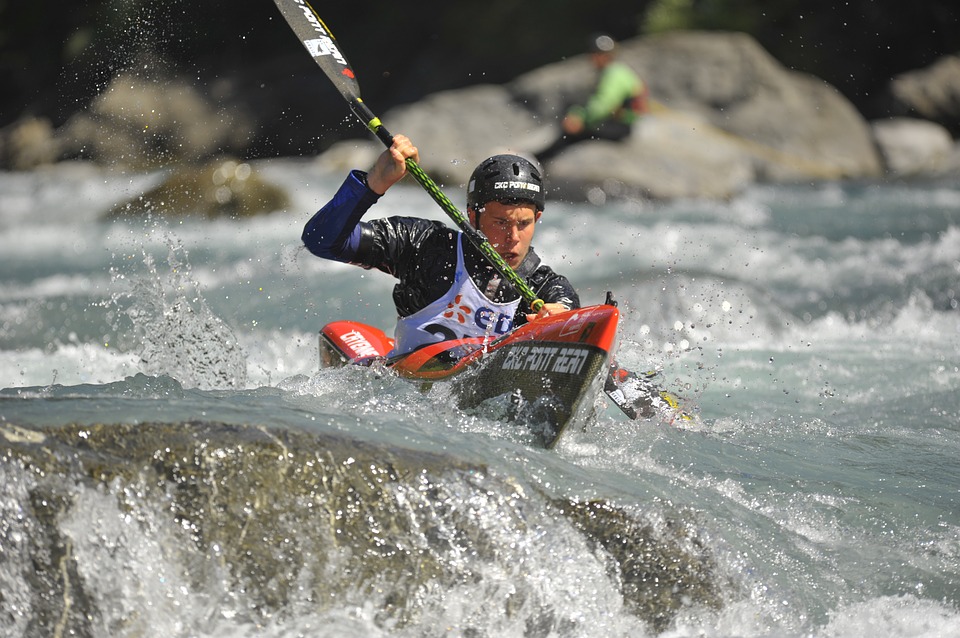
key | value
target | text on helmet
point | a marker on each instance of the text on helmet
(512, 185)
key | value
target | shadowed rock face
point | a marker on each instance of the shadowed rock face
(286, 517)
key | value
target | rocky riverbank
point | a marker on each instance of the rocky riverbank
(725, 115)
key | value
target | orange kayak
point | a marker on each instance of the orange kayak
(552, 369)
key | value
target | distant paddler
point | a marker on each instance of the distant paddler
(618, 100)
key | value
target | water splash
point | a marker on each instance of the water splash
(233, 526)
(175, 331)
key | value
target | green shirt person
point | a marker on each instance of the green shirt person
(619, 99)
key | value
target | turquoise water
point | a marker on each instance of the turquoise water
(815, 329)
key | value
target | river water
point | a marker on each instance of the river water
(175, 464)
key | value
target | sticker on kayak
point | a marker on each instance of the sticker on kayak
(583, 321)
(560, 359)
(358, 344)
(573, 324)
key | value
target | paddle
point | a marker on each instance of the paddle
(322, 46)
(634, 394)
(639, 397)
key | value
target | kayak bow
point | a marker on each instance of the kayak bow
(551, 369)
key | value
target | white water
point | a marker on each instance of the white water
(815, 328)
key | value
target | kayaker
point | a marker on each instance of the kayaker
(618, 100)
(447, 289)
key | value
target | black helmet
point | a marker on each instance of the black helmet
(505, 178)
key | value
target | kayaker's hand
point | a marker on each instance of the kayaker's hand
(547, 310)
(391, 165)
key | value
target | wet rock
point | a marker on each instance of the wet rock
(952, 165)
(283, 517)
(659, 572)
(222, 187)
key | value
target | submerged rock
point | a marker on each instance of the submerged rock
(658, 572)
(286, 518)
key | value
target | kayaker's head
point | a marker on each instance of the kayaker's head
(602, 49)
(505, 198)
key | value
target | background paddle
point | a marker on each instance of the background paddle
(323, 48)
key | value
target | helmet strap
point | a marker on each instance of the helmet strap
(476, 216)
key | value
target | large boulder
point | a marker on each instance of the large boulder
(726, 114)
(792, 125)
(932, 93)
(148, 119)
(455, 130)
(665, 158)
(912, 147)
(670, 155)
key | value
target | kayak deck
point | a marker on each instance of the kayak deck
(552, 369)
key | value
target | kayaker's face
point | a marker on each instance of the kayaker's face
(600, 59)
(509, 227)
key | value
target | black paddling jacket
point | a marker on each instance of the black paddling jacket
(421, 253)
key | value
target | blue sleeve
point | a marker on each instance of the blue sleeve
(334, 232)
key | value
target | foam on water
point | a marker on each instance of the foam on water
(815, 328)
